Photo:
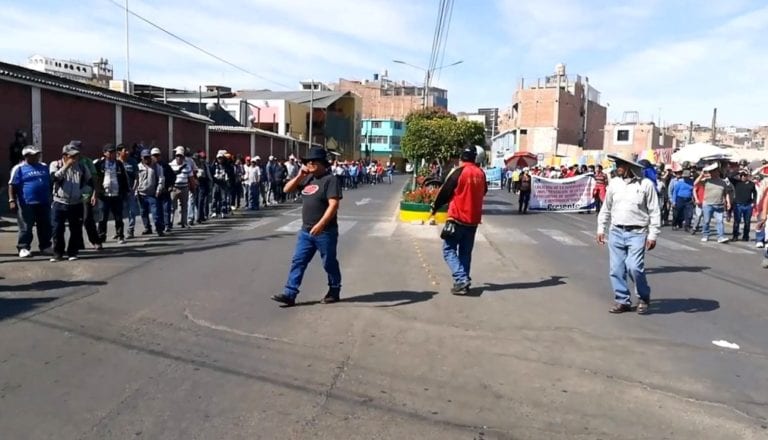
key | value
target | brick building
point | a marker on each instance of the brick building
(386, 99)
(635, 137)
(557, 109)
(54, 110)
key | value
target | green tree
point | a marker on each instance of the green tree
(435, 134)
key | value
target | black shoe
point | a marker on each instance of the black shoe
(146, 232)
(114, 237)
(333, 296)
(161, 234)
(285, 299)
(130, 235)
(460, 289)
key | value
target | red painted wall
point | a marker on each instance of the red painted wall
(147, 127)
(234, 143)
(15, 114)
(189, 134)
(67, 117)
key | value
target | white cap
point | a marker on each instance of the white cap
(257, 158)
(155, 151)
(271, 157)
(30, 150)
(221, 153)
(179, 150)
(711, 167)
(525, 169)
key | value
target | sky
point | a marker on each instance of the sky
(669, 60)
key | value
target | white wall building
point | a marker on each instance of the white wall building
(99, 72)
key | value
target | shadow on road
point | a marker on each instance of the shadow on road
(399, 297)
(149, 252)
(553, 280)
(668, 306)
(49, 285)
(10, 307)
(675, 269)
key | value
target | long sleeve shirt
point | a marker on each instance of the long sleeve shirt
(631, 203)
(150, 180)
(683, 190)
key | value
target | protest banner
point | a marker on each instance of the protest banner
(573, 194)
(493, 177)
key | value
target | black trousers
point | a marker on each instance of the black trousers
(525, 198)
(113, 205)
(63, 215)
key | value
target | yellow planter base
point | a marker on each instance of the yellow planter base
(411, 216)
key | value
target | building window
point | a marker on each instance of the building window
(378, 140)
(395, 140)
(622, 136)
(398, 125)
(376, 124)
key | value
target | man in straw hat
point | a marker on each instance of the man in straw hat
(632, 209)
(320, 197)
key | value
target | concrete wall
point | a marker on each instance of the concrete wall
(15, 114)
(189, 134)
(147, 127)
(234, 143)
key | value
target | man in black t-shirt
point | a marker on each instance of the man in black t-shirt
(320, 196)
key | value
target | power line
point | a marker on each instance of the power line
(189, 43)
(445, 37)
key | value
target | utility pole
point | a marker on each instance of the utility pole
(127, 49)
(690, 133)
(311, 108)
(426, 89)
(713, 139)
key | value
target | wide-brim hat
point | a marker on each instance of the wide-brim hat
(637, 169)
(316, 153)
(711, 167)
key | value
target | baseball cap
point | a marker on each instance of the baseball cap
(711, 167)
(156, 151)
(109, 148)
(145, 153)
(257, 158)
(271, 157)
(179, 150)
(221, 153)
(70, 150)
(30, 150)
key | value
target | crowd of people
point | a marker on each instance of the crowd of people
(690, 197)
(76, 192)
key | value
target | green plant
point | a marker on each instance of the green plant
(421, 195)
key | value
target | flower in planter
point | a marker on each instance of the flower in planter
(421, 195)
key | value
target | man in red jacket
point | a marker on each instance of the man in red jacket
(463, 191)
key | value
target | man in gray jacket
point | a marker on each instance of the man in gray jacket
(69, 177)
(150, 182)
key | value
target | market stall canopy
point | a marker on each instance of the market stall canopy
(694, 153)
(520, 159)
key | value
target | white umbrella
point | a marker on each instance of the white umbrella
(695, 152)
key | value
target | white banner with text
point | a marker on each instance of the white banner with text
(573, 194)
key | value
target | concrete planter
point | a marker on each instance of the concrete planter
(410, 212)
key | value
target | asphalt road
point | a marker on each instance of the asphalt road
(177, 339)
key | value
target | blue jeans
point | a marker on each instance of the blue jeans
(742, 212)
(149, 206)
(131, 207)
(457, 253)
(253, 196)
(203, 198)
(716, 211)
(306, 246)
(164, 209)
(626, 250)
(37, 215)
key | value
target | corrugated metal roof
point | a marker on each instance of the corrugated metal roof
(319, 100)
(15, 73)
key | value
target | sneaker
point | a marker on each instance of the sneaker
(115, 237)
(333, 296)
(72, 258)
(764, 263)
(146, 232)
(460, 289)
(56, 258)
(759, 245)
(121, 241)
(213, 215)
(642, 308)
(723, 240)
(704, 239)
(285, 299)
(98, 247)
(25, 253)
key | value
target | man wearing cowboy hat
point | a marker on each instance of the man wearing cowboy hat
(321, 194)
(632, 209)
(716, 201)
(29, 194)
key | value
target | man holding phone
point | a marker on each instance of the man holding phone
(320, 197)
